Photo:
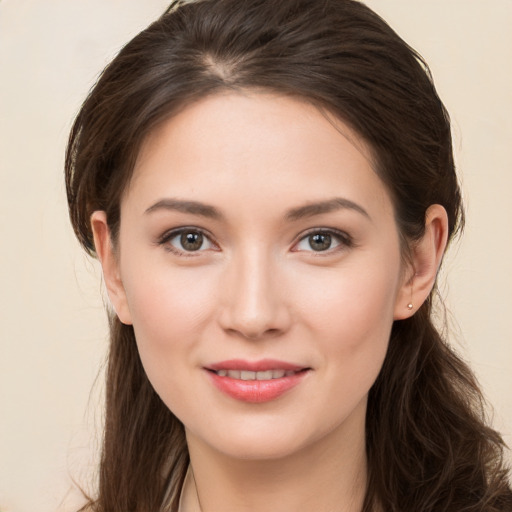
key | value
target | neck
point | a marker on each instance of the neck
(327, 476)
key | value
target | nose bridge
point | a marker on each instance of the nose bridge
(254, 305)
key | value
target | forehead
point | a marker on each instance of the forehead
(252, 144)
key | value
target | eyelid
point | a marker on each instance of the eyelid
(344, 240)
(168, 235)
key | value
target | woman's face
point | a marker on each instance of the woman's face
(260, 266)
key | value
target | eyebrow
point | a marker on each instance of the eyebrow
(308, 210)
(193, 207)
(337, 203)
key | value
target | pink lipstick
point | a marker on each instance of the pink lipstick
(255, 381)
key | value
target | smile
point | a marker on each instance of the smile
(250, 375)
(255, 382)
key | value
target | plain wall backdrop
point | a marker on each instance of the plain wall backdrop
(53, 330)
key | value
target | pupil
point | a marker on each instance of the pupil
(320, 242)
(191, 241)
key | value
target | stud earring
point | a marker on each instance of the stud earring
(410, 306)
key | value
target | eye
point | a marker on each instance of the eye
(323, 241)
(186, 240)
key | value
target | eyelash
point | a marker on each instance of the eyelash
(168, 236)
(343, 239)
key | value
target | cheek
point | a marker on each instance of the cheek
(164, 301)
(169, 308)
(349, 300)
(350, 310)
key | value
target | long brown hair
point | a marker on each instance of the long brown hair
(429, 448)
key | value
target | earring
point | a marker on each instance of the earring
(409, 306)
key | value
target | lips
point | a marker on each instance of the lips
(255, 382)
(249, 375)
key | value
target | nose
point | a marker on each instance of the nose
(254, 304)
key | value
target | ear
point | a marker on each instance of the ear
(110, 266)
(426, 256)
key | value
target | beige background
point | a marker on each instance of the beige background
(52, 327)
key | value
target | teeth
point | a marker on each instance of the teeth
(264, 375)
(248, 375)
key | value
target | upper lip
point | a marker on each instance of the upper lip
(254, 366)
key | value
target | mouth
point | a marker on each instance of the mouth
(261, 375)
(256, 382)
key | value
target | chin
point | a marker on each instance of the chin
(262, 440)
(261, 448)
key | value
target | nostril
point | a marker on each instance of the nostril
(256, 334)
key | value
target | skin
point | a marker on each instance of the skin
(258, 287)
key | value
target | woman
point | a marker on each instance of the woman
(270, 189)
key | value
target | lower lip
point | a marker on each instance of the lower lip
(256, 391)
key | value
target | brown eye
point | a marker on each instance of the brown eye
(187, 240)
(191, 240)
(320, 241)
